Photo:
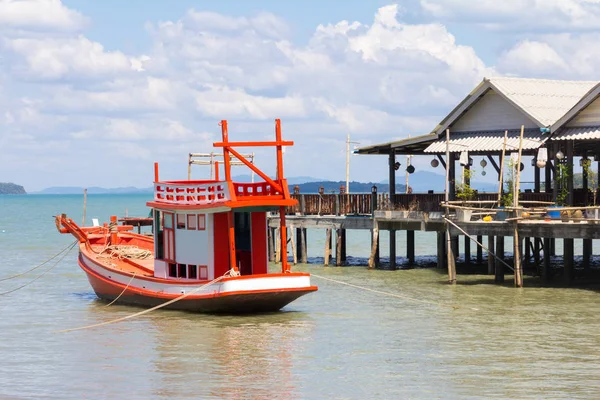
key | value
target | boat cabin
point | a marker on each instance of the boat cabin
(205, 228)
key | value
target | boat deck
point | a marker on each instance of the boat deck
(140, 267)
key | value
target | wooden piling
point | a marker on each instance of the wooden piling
(392, 249)
(271, 244)
(293, 244)
(277, 246)
(373, 257)
(343, 236)
(587, 255)
(410, 247)
(479, 250)
(467, 252)
(545, 272)
(568, 261)
(517, 241)
(491, 259)
(499, 270)
(441, 253)
(327, 247)
(304, 247)
(338, 248)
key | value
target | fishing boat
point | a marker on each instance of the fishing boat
(208, 250)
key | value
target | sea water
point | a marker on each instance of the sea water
(428, 341)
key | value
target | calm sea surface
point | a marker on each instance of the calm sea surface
(338, 343)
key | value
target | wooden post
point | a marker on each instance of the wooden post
(410, 247)
(304, 255)
(545, 271)
(293, 243)
(441, 253)
(517, 243)
(271, 232)
(479, 250)
(284, 261)
(338, 248)
(299, 244)
(277, 245)
(587, 253)
(499, 277)
(449, 185)
(343, 237)
(501, 173)
(392, 180)
(467, 251)
(491, 259)
(568, 260)
(527, 258)
(327, 246)
(373, 261)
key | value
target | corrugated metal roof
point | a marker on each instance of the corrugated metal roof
(413, 145)
(545, 100)
(488, 141)
(584, 133)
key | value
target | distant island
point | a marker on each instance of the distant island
(420, 182)
(11, 188)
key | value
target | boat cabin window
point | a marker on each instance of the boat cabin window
(182, 271)
(191, 221)
(192, 272)
(201, 222)
(173, 270)
(180, 221)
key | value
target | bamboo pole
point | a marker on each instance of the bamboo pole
(277, 245)
(450, 254)
(338, 247)
(517, 253)
(501, 180)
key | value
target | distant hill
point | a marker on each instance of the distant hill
(93, 190)
(355, 187)
(11, 188)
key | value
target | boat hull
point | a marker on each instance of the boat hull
(231, 295)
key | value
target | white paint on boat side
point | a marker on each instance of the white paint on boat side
(232, 285)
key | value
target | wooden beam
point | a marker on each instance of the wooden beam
(494, 163)
(442, 161)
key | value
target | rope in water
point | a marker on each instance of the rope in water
(392, 294)
(40, 265)
(183, 296)
(43, 273)
(121, 294)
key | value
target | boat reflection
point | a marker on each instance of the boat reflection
(233, 357)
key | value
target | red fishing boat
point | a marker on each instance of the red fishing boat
(208, 252)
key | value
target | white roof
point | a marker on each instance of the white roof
(544, 101)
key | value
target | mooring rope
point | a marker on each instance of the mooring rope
(38, 266)
(45, 272)
(125, 251)
(121, 294)
(183, 296)
(391, 294)
(475, 240)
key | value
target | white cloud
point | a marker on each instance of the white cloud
(379, 80)
(544, 15)
(561, 56)
(59, 58)
(39, 15)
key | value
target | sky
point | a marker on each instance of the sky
(92, 93)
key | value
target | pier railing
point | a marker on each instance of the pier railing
(362, 203)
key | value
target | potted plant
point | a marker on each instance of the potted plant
(563, 173)
(466, 193)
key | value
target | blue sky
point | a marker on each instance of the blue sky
(93, 92)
